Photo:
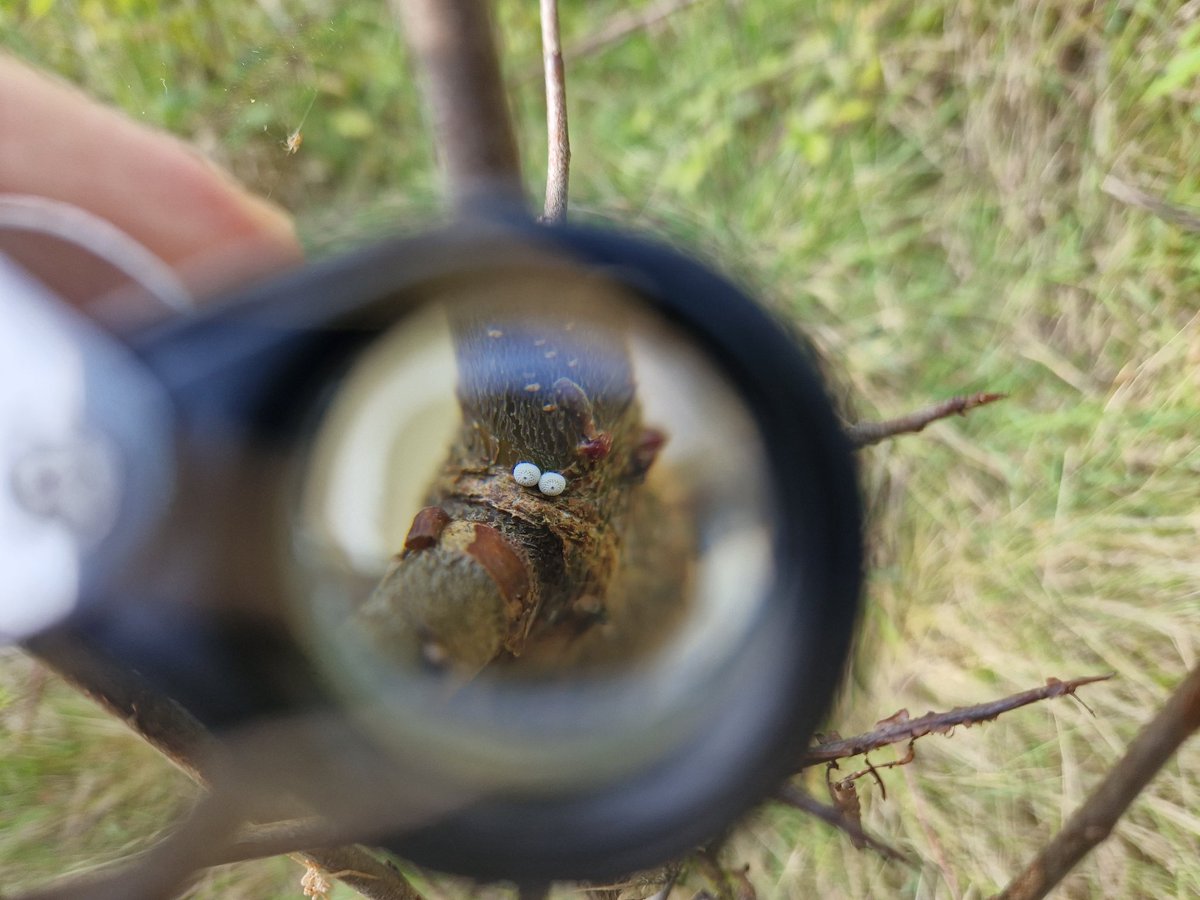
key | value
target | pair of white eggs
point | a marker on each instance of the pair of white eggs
(527, 474)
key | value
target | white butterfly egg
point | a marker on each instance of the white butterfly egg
(552, 484)
(526, 474)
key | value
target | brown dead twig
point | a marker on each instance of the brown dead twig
(900, 728)
(626, 23)
(863, 434)
(1094, 821)
(800, 799)
(558, 157)
(1181, 216)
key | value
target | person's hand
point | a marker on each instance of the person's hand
(58, 144)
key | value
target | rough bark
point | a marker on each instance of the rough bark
(513, 573)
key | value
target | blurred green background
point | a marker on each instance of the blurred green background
(918, 187)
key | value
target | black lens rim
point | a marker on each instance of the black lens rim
(217, 374)
(686, 800)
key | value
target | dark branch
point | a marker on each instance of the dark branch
(863, 434)
(175, 733)
(1094, 821)
(900, 728)
(802, 800)
(464, 92)
(558, 159)
(160, 721)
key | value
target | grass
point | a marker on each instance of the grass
(918, 189)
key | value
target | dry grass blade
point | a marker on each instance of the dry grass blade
(1094, 821)
(863, 434)
(900, 727)
(624, 24)
(1185, 218)
(799, 799)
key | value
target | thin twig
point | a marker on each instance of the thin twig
(900, 727)
(863, 434)
(1182, 216)
(558, 157)
(1094, 821)
(464, 92)
(802, 800)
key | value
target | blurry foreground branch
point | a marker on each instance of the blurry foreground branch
(1093, 823)
(209, 837)
(464, 93)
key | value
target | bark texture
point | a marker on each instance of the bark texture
(513, 573)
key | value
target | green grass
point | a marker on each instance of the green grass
(920, 191)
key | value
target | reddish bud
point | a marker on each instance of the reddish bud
(650, 442)
(595, 448)
(427, 526)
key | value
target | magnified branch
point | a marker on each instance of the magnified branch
(558, 160)
(464, 92)
(830, 815)
(900, 728)
(1094, 821)
(863, 434)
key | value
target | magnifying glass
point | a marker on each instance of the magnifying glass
(552, 530)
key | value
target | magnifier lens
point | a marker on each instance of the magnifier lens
(527, 553)
(534, 530)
